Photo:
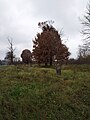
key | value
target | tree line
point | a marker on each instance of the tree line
(47, 48)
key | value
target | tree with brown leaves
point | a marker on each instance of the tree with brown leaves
(26, 56)
(48, 45)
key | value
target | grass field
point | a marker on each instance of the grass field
(32, 93)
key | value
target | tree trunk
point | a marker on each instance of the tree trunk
(11, 62)
(45, 64)
(50, 61)
(58, 70)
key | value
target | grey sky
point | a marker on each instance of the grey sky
(19, 20)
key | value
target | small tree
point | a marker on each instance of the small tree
(10, 54)
(26, 56)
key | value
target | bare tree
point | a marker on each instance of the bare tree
(82, 51)
(10, 54)
(86, 29)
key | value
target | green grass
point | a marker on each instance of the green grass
(29, 93)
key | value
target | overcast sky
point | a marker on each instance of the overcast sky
(19, 20)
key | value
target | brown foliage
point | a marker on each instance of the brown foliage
(48, 45)
(26, 56)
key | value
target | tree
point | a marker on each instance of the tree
(83, 56)
(26, 56)
(86, 29)
(10, 54)
(48, 45)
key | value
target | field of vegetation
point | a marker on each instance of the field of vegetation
(34, 93)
